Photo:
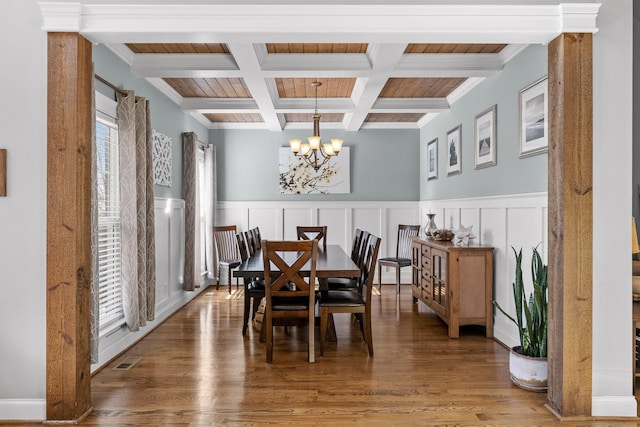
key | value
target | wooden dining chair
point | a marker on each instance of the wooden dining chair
(257, 239)
(290, 299)
(403, 253)
(358, 303)
(253, 287)
(317, 232)
(351, 283)
(227, 250)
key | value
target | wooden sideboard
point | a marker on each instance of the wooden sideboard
(456, 282)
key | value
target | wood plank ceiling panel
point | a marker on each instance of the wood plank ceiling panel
(393, 117)
(301, 87)
(420, 87)
(316, 47)
(308, 117)
(234, 118)
(178, 47)
(209, 87)
(454, 48)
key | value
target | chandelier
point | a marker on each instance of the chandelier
(315, 153)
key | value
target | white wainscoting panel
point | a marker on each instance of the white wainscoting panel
(269, 219)
(339, 233)
(518, 221)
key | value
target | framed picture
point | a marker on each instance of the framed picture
(3, 172)
(298, 177)
(485, 138)
(454, 161)
(533, 114)
(432, 159)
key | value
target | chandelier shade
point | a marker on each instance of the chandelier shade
(314, 151)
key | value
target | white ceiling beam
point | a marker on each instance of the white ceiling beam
(248, 62)
(219, 105)
(448, 65)
(384, 58)
(184, 65)
(410, 105)
(307, 105)
(315, 65)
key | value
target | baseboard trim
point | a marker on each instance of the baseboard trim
(23, 410)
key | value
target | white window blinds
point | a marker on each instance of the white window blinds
(108, 199)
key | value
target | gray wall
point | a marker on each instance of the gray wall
(166, 116)
(511, 175)
(384, 164)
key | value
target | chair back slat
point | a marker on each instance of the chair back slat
(242, 246)
(281, 271)
(251, 247)
(226, 242)
(367, 271)
(357, 241)
(405, 232)
(309, 232)
(257, 239)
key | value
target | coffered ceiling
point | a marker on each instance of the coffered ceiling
(249, 64)
(268, 85)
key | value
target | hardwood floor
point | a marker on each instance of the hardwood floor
(197, 369)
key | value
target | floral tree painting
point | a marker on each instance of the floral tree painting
(298, 177)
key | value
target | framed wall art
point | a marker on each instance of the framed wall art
(432, 159)
(298, 177)
(161, 155)
(533, 115)
(485, 138)
(454, 160)
(3, 172)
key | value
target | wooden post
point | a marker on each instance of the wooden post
(570, 225)
(68, 226)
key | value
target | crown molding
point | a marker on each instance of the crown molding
(454, 23)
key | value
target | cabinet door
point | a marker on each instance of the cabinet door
(416, 264)
(439, 273)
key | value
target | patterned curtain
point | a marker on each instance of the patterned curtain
(134, 139)
(95, 285)
(211, 206)
(189, 174)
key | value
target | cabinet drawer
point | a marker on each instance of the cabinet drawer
(426, 261)
(426, 251)
(426, 287)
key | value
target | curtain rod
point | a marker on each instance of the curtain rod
(111, 85)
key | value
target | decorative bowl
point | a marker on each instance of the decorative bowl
(442, 234)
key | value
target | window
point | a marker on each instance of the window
(108, 199)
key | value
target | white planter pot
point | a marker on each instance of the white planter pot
(529, 373)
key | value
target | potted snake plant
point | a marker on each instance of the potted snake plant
(528, 361)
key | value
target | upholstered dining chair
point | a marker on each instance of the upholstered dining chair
(227, 250)
(253, 287)
(317, 232)
(290, 299)
(403, 253)
(358, 303)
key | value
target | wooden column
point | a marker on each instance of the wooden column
(570, 224)
(69, 124)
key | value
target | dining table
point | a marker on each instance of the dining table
(332, 262)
